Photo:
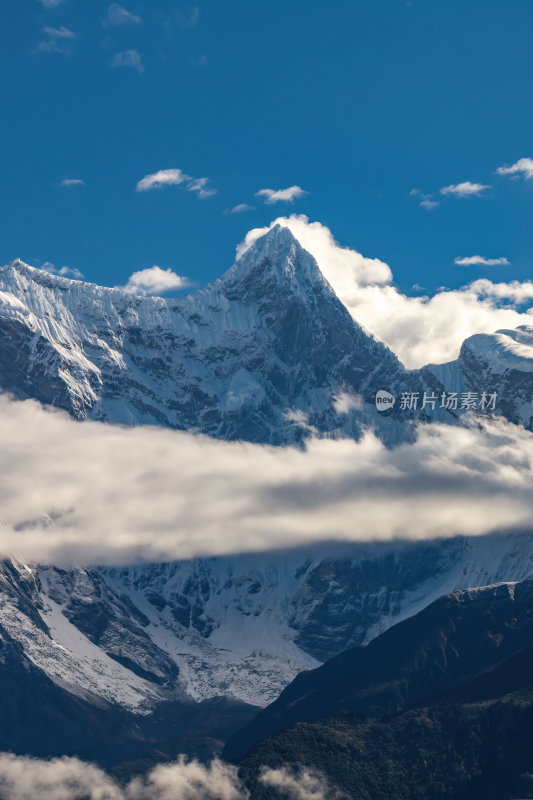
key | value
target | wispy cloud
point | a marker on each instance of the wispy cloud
(69, 182)
(117, 15)
(523, 167)
(201, 187)
(63, 272)
(301, 784)
(300, 419)
(199, 62)
(128, 58)
(188, 19)
(345, 402)
(425, 200)
(176, 177)
(50, 3)
(154, 281)
(288, 195)
(474, 261)
(164, 177)
(240, 209)
(60, 40)
(465, 189)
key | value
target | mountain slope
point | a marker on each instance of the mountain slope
(471, 750)
(42, 717)
(242, 627)
(231, 360)
(455, 637)
(260, 354)
(471, 738)
(499, 363)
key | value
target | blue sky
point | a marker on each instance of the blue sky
(357, 102)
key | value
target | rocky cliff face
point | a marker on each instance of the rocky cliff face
(455, 638)
(242, 627)
(503, 361)
(260, 354)
(496, 364)
(441, 706)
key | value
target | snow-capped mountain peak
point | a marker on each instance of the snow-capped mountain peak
(277, 257)
(232, 359)
(505, 349)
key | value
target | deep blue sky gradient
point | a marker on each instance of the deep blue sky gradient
(357, 101)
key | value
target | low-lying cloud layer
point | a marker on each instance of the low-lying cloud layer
(90, 493)
(419, 330)
(71, 779)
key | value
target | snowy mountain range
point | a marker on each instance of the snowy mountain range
(267, 354)
(240, 627)
(262, 354)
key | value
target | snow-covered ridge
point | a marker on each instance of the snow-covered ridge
(228, 360)
(231, 359)
(241, 627)
(505, 349)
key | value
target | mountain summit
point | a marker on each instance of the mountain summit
(259, 354)
(276, 258)
(266, 353)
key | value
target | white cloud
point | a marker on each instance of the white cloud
(524, 167)
(50, 3)
(60, 33)
(175, 177)
(154, 281)
(201, 187)
(118, 15)
(59, 40)
(59, 779)
(239, 209)
(343, 267)
(428, 204)
(474, 261)
(281, 195)
(188, 781)
(164, 177)
(22, 777)
(71, 779)
(345, 403)
(128, 58)
(88, 493)
(64, 272)
(301, 784)
(516, 291)
(465, 189)
(68, 182)
(418, 329)
(426, 200)
(299, 418)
